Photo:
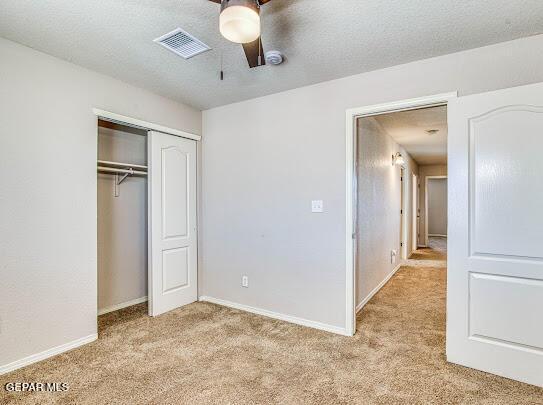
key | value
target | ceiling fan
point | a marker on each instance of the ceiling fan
(240, 23)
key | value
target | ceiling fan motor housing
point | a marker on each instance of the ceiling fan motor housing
(252, 4)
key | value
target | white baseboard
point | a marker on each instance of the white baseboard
(422, 246)
(122, 305)
(437, 234)
(376, 289)
(276, 315)
(34, 358)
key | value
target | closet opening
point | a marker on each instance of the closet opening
(122, 216)
(146, 215)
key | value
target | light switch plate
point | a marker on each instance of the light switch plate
(317, 206)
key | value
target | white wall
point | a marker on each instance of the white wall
(265, 159)
(437, 206)
(424, 171)
(48, 151)
(122, 220)
(379, 205)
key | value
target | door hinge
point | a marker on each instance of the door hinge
(401, 244)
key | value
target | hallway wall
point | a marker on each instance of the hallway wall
(378, 210)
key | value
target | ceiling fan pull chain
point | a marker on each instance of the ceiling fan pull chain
(222, 71)
(259, 51)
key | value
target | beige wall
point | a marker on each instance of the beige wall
(48, 193)
(265, 159)
(379, 204)
(425, 171)
(437, 207)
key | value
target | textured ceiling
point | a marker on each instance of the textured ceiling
(408, 128)
(322, 39)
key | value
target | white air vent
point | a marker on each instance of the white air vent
(182, 43)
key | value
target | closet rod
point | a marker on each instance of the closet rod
(119, 164)
(127, 171)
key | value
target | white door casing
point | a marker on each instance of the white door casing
(352, 115)
(495, 245)
(414, 212)
(172, 222)
(403, 216)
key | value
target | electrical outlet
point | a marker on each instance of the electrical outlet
(393, 254)
(245, 281)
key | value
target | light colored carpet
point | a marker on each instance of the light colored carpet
(207, 354)
(433, 256)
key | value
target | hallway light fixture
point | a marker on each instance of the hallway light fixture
(239, 21)
(398, 159)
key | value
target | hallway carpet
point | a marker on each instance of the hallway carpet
(208, 354)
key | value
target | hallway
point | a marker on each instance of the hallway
(435, 255)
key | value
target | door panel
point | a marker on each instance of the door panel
(505, 150)
(175, 269)
(495, 265)
(174, 192)
(172, 222)
(498, 309)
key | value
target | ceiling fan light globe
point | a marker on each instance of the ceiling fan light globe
(239, 24)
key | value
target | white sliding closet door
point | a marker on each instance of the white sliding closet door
(172, 222)
(495, 275)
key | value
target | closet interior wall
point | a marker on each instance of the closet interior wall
(122, 220)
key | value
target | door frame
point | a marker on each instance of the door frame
(415, 190)
(150, 126)
(404, 225)
(351, 200)
(426, 241)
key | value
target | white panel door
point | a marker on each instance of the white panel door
(172, 222)
(495, 275)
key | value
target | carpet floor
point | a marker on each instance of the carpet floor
(208, 354)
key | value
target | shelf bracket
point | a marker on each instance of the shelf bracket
(119, 180)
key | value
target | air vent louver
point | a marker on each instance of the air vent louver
(182, 43)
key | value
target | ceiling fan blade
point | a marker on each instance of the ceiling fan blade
(251, 50)
(216, 1)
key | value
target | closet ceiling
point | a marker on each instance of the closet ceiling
(321, 39)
